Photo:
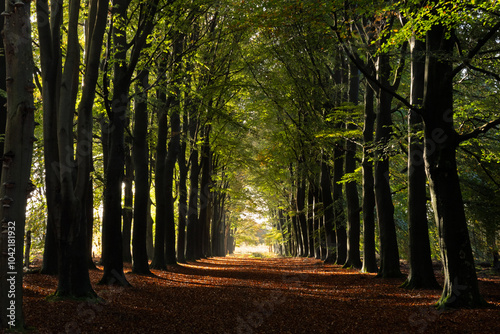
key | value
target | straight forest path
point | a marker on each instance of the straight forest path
(247, 295)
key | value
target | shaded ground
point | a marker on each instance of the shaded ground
(245, 295)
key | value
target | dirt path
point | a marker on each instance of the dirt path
(244, 295)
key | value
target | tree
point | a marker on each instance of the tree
(18, 150)
(441, 138)
(173, 152)
(192, 227)
(51, 60)
(389, 254)
(369, 259)
(421, 273)
(328, 214)
(128, 199)
(160, 170)
(440, 141)
(140, 156)
(338, 204)
(61, 90)
(124, 66)
(351, 191)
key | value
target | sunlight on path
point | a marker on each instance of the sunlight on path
(262, 249)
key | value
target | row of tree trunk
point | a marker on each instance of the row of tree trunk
(432, 159)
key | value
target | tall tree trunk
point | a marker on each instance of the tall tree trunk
(301, 215)
(88, 203)
(310, 220)
(16, 166)
(297, 237)
(140, 156)
(183, 196)
(338, 204)
(149, 232)
(112, 253)
(281, 227)
(215, 225)
(128, 202)
(160, 185)
(126, 56)
(421, 275)
(317, 218)
(70, 206)
(173, 151)
(440, 142)
(389, 253)
(50, 58)
(192, 228)
(205, 194)
(328, 210)
(351, 188)
(75, 181)
(369, 259)
(3, 86)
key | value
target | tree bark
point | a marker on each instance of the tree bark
(3, 86)
(18, 147)
(369, 259)
(160, 185)
(149, 232)
(50, 59)
(192, 229)
(317, 218)
(205, 195)
(338, 204)
(421, 275)
(298, 249)
(88, 203)
(112, 252)
(310, 220)
(440, 142)
(128, 202)
(389, 253)
(328, 210)
(173, 151)
(183, 196)
(75, 182)
(351, 188)
(140, 156)
(301, 215)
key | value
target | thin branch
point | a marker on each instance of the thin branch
(472, 53)
(479, 160)
(480, 130)
(362, 68)
(481, 70)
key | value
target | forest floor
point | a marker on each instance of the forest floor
(241, 294)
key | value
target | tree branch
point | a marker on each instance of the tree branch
(362, 68)
(472, 53)
(478, 159)
(482, 70)
(480, 130)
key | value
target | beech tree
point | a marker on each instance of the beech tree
(421, 273)
(60, 87)
(124, 65)
(17, 156)
(441, 138)
(140, 156)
